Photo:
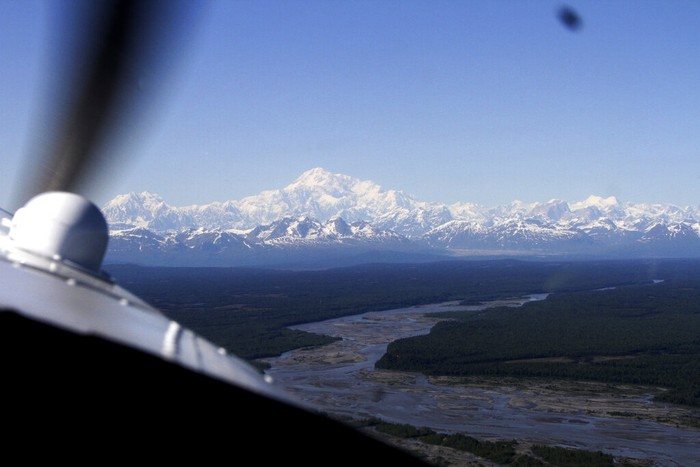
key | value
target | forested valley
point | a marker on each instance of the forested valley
(643, 328)
(642, 334)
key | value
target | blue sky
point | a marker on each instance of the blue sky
(474, 101)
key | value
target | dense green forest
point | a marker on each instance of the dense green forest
(507, 453)
(638, 332)
(643, 334)
(248, 310)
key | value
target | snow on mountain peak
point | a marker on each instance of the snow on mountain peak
(320, 178)
(339, 202)
(595, 201)
(135, 209)
(324, 208)
(144, 198)
(315, 176)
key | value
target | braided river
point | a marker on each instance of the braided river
(340, 379)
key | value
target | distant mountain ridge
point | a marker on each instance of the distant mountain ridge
(336, 215)
(317, 193)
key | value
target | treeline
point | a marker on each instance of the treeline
(642, 334)
(500, 452)
(248, 311)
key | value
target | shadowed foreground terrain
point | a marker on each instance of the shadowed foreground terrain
(613, 323)
(644, 328)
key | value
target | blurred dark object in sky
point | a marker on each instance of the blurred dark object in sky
(121, 48)
(569, 18)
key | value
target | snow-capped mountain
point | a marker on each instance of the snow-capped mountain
(335, 214)
(317, 193)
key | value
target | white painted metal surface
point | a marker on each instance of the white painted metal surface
(62, 226)
(45, 276)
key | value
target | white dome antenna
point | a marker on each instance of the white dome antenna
(64, 227)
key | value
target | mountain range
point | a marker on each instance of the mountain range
(323, 219)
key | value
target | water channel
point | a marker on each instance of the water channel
(340, 379)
